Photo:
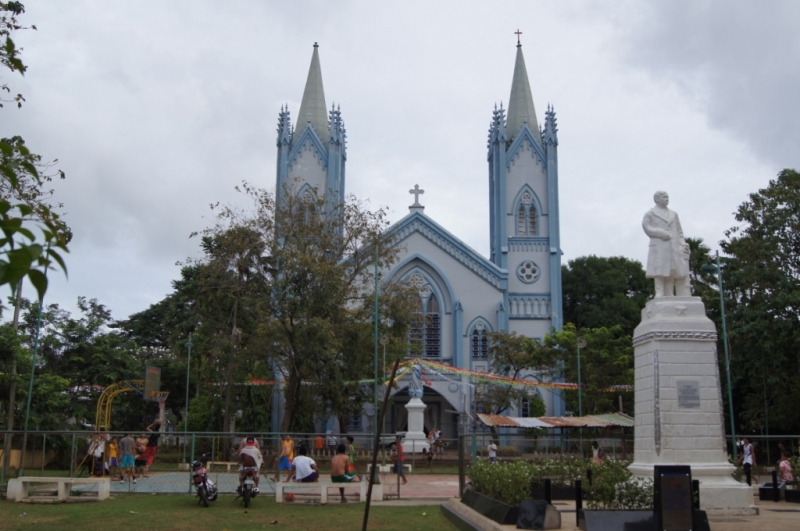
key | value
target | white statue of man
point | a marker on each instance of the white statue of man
(668, 258)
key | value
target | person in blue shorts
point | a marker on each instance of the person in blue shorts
(285, 460)
(126, 462)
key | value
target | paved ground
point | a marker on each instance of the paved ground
(419, 487)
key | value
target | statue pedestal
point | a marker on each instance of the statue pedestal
(678, 404)
(415, 439)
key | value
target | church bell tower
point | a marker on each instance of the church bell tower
(524, 221)
(312, 155)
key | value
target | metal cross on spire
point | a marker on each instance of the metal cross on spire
(416, 191)
(518, 33)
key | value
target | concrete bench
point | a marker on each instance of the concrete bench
(323, 485)
(227, 464)
(18, 488)
(385, 469)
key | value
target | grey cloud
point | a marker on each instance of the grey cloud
(736, 59)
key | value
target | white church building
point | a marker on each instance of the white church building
(462, 294)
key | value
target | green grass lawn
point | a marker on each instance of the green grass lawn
(182, 513)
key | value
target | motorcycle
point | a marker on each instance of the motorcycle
(248, 490)
(206, 490)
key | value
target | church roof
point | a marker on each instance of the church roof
(520, 103)
(313, 109)
(417, 222)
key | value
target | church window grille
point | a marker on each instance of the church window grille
(425, 329)
(479, 342)
(432, 328)
(525, 408)
(526, 216)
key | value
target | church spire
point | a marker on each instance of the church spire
(313, 109)
(520, 104)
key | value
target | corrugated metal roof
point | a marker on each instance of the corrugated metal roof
(589, 421)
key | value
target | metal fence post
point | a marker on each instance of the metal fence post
(191, 460)
(461, 471)
(73, 457)
(44, 451)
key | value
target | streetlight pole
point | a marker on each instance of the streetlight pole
(717, 268)
(581, 344)
(384, 341)
(376, 335)
(186, 415)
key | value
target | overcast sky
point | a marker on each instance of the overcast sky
(156, 109)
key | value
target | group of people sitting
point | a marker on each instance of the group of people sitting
(299, 467)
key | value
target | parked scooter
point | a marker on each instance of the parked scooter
(248, 490)
(206, 490)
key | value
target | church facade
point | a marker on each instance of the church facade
(463, 295)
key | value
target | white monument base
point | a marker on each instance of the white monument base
(415, 440)
(678, 404)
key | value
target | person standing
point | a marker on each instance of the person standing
(113, 457)
(152, 444)
(126, 464)
(319, 445)
(304, 469)
(351, 454)
(140, 461)
(748, 460)
(399, 459)
(787, 474)
(597, 453)
(492, 452)
(286, 458)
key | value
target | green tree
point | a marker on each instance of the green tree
(24, 204)
(606, 361)
(517, 357)
(315, 312)
(603, 292)
(762, 283)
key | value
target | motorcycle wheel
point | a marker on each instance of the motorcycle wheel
(203, 493)
(246, 496)
(214, 496)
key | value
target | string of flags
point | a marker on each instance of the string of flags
(447, 372)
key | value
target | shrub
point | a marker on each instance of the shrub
(614, 487)
(508, 482)
(562, 471)
(508, 451)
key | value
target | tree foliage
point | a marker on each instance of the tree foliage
(604, 292)
(606, 360)
(762, 284)
(517, 357)
(33, 234)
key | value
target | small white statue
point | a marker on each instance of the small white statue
(668, 258)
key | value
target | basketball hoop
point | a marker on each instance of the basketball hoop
(161, 396)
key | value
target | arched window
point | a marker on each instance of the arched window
(526, 216)
(425, 329)
(479, 343)
(525, 408)
(307, 206)
(432, 328)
